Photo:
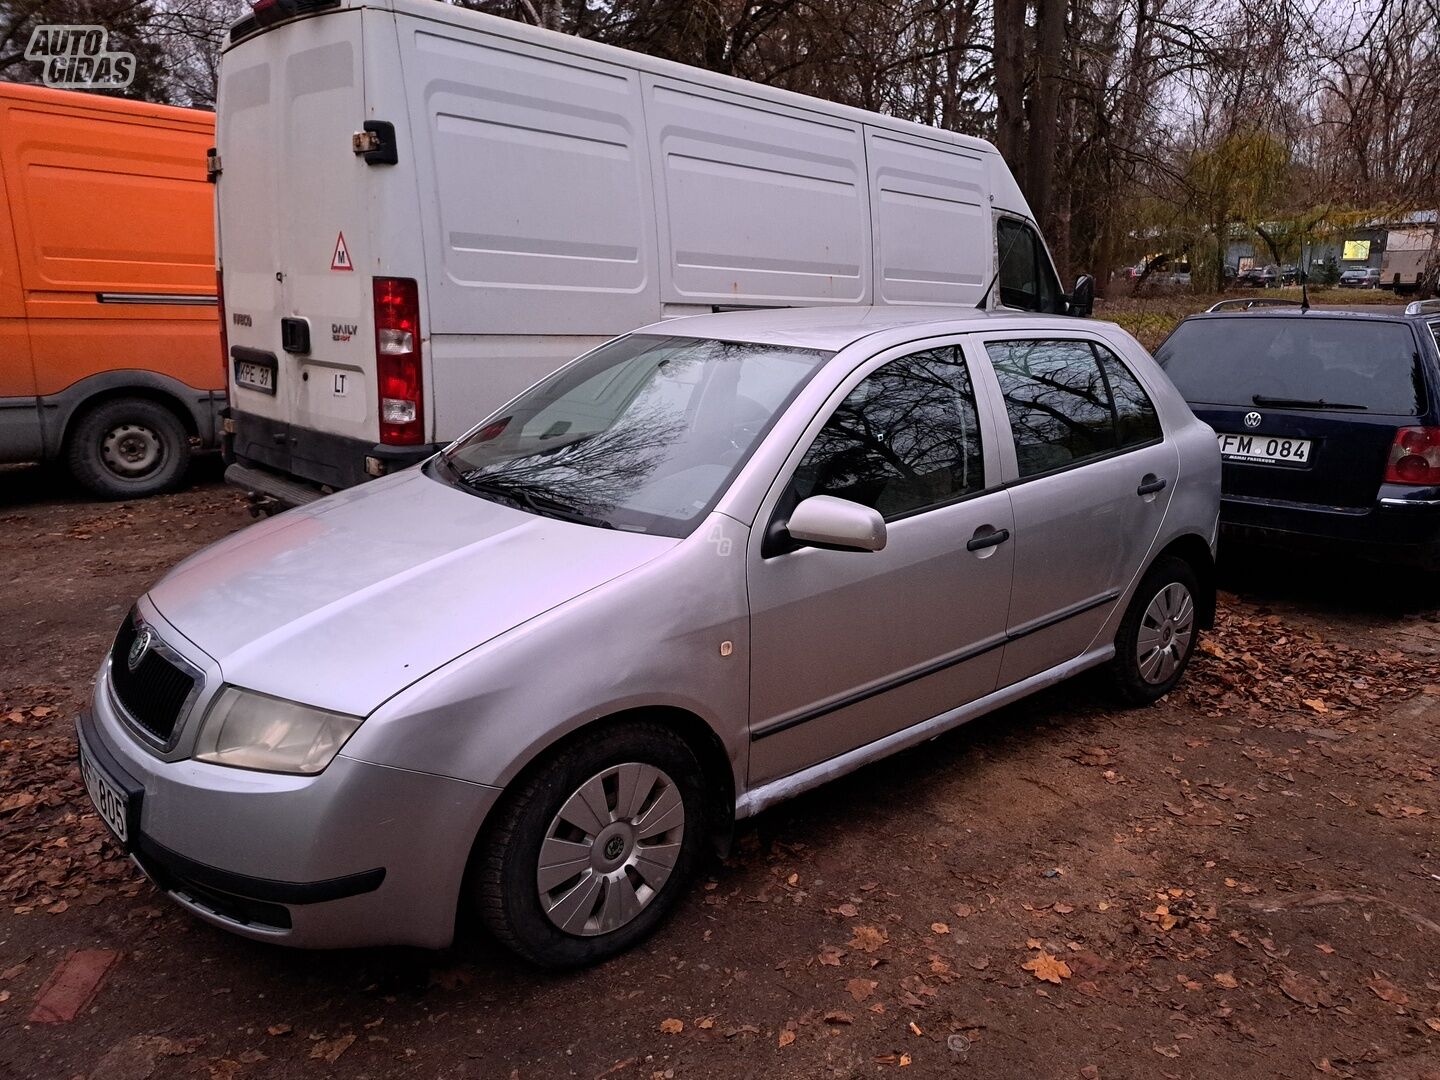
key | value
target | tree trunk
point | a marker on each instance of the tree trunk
(1043, 108)
(1010, 84)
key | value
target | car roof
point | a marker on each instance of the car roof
(833, 328)
(1365, 312)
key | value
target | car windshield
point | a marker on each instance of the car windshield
(644, 433)
(1341, 364)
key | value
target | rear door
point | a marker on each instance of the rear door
(1090, 478)
(294, 241)
(1306, 406)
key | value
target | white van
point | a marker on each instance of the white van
(423, 209)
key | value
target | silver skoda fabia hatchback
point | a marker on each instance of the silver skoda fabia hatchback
(707, 566)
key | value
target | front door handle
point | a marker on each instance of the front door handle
(1150, 484)
(983, 539)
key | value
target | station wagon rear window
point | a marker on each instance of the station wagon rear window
(1336, 364)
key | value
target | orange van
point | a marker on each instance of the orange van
(109, 341)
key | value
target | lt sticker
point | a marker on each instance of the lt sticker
(341, 259)
(340, 389)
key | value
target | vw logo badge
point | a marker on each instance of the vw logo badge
(1252, 419)
(138, 648)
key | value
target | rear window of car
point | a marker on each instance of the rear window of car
(1249, 360)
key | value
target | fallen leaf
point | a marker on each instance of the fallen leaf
(1385, 990)
(1047, 968)
(279, 1029)
(1226, 979)
(839, 1016)
(671, 1026)
(860, 989)
(904, 1060)
(1433, 1023)
(869, 938)
(329, 1050)
(830, 955)
(787, 1037)
(1315, 703)
(848, 910)
(705, 1023)
(939, 928)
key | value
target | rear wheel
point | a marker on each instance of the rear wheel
(1158, 633)
(129, 448)
(590, 853)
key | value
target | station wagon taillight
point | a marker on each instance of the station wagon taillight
(397, 361)
(1414, 457)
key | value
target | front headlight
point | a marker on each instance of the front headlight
(253, 731)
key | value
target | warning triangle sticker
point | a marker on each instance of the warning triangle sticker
(341, 259)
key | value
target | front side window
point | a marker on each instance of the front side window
(1026, 281)
(1069, 402)
(906, 439)
(643, 434)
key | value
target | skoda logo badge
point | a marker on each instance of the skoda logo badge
(138, 648)
(1252, 419)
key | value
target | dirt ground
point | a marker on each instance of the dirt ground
(1242, 880)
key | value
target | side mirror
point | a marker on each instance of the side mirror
(1082, 300)
(828, 522)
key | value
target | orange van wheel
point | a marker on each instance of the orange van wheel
(127, 448)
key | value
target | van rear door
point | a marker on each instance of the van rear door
(293, 246)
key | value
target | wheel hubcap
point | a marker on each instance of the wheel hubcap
(131, 450)
(1166, 630)
(610, 849)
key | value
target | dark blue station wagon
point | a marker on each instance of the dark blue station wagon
(1328, 421)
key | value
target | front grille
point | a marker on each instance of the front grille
(155, 691)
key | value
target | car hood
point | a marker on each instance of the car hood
(344, 602)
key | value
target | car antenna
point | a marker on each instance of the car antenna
(985, 296)
(1304, 283)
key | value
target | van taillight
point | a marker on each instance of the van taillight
(1414, 457)
(224, 332)
(397, 361)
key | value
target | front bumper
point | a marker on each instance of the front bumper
(1402, 527)
(358, 855)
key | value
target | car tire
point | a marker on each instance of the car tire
(1158, 634)
(549, 867)
(128, 448)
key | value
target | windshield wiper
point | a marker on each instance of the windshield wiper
(526, 499)
(1303, 403)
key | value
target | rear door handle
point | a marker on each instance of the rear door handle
(1150, 485)
(987, 539)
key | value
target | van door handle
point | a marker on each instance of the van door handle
(983, 539)
(1150, 484)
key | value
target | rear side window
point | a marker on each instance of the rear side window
(1342, 364)
(905, 440)
(1069, 402)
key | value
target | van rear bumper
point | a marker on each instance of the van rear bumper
(293, 465)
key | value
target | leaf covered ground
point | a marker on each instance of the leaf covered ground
(1241, 880)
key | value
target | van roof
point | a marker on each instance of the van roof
(833, 328)
(78, 99)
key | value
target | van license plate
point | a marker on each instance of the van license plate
(255, 376)
(112, 804)
(1265, 449)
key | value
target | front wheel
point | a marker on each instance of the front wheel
(1157, 636)
(594, 848)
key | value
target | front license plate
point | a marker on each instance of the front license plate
(1265, 449)
(111, 803)
(255, 376)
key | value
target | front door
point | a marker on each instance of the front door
(1093, 476)
(848, 647)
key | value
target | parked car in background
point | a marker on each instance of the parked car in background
(109, 346)
(1329, 423)
(1259, 277)
(1364, 277)
(1290, 275)
(470, 202)
(703, 568)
